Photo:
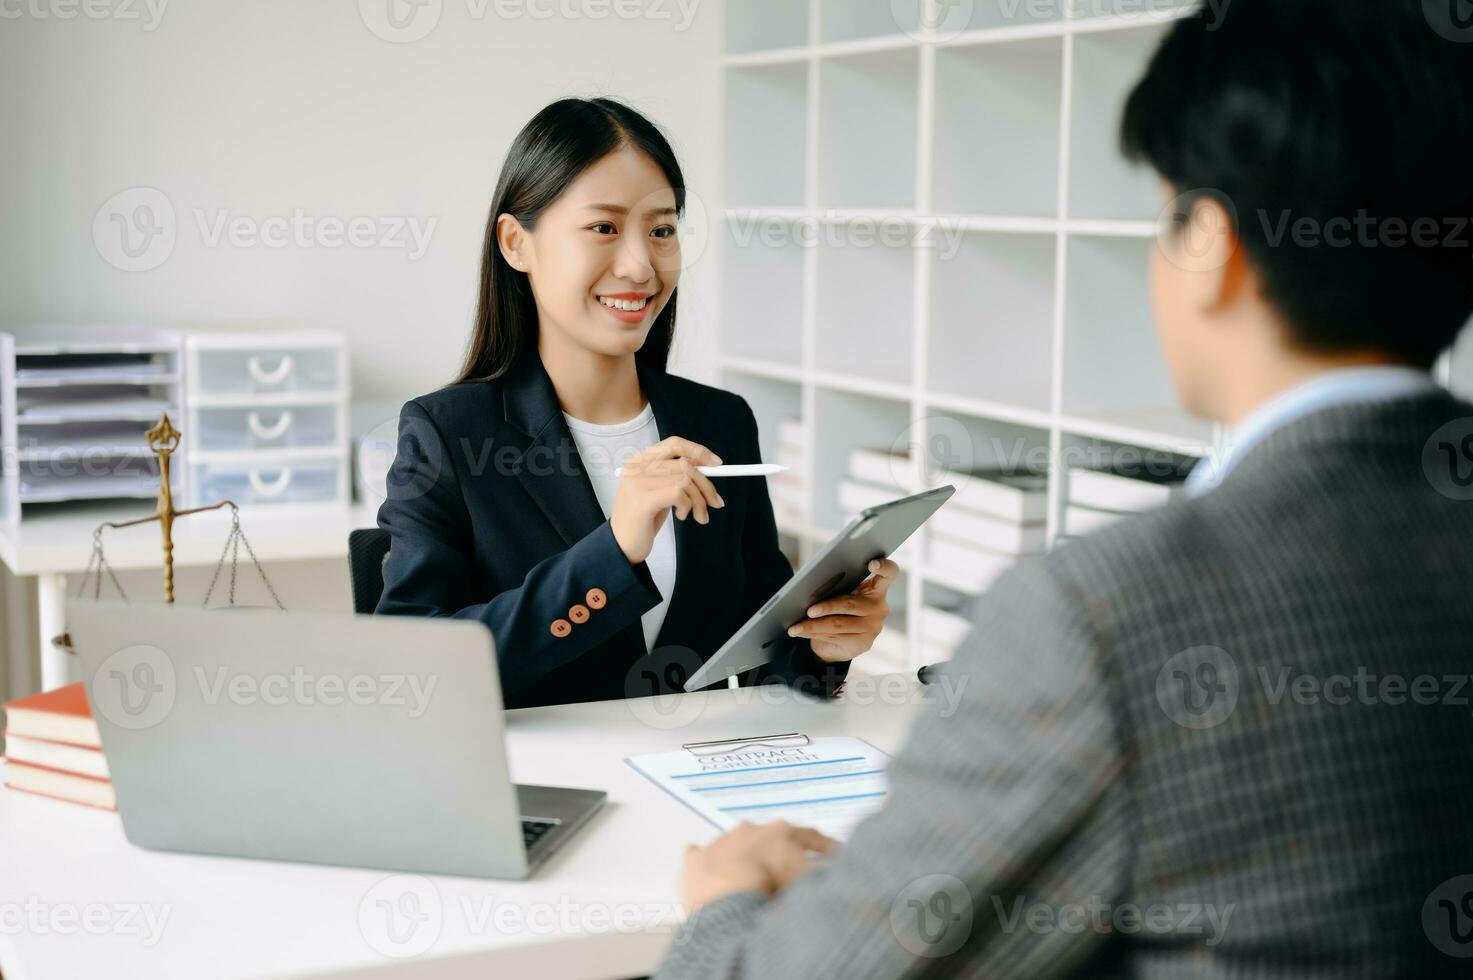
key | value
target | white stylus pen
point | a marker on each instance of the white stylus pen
(737, 469)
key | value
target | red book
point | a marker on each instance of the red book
(61, 715)
(61, 785)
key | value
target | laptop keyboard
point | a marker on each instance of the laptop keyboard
(533, 830)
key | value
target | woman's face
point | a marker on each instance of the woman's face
(604, 257)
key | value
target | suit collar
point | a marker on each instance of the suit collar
(669, 407)
(548, 465)
(527, 396)
(1361, 429)
(530, 402)
(1324, 392)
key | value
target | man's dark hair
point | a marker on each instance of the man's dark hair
(1335, 129)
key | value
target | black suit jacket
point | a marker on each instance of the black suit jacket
(494, 518)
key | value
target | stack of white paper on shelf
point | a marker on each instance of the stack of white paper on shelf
(877, 476)
(995, 517)
(942, 633)
(1097, 498)
(789, 490)
(879, 468)
(873, 478)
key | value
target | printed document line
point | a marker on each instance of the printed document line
(826, 799)
(778, 782)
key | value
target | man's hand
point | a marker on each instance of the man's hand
(749, 858)
(844, 627)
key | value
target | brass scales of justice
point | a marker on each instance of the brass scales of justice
(163, 439)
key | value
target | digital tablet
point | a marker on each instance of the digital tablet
(842, 564)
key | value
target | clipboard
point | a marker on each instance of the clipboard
(830, 783)
(725, 746)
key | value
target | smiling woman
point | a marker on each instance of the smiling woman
(504, 503)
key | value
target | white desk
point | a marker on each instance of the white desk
(53, 546)
(604, 906)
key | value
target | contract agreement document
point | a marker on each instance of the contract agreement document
(829, 784)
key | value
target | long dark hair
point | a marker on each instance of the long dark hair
(560, 142)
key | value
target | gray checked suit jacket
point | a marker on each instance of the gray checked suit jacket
(1228, 739)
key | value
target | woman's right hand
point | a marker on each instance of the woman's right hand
(654, 481)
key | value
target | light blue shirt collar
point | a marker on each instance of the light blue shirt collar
(1332, 388)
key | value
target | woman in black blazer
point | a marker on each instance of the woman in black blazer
(493, 510)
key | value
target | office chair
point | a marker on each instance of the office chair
(368, 549)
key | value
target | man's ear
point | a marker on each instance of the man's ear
(1238, 280)
(513, 241)
(1210, 249)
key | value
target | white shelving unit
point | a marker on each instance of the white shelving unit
(75, 405)
(1008, 324)
(268, 417)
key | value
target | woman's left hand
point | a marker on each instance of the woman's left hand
(845, 626)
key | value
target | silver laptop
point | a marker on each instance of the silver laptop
(370, 741)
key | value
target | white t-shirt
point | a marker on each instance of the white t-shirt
(603, 449)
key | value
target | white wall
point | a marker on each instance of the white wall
(267, 107)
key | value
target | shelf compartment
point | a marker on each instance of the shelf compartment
(65, 455)
(997, 128)
(122, 437)
(766, 129)
(1114, 373)
(287, 426)
(772, 370)
(992, 314)
(36, 371)
(845, 20)
(269, 400)
(938, 402)
(958, 568)
(771, 401)
(765, 25)
(859, 385)
(1150, 464)
(865, 310)
(867, 130)
(1102, 184)
(268, 480)
(107, 339)
(944, 623)
(93, 477)
(845, 422)
(266, 370)
(76, 402)
(54, 406)
(963, 444)
(762, 289)
(1171, 430)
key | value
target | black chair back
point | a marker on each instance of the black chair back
(368, 549)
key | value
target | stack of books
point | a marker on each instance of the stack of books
(789, 490)
(1097, 498)
(996, 517)
(874, 477)
(52, 747)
